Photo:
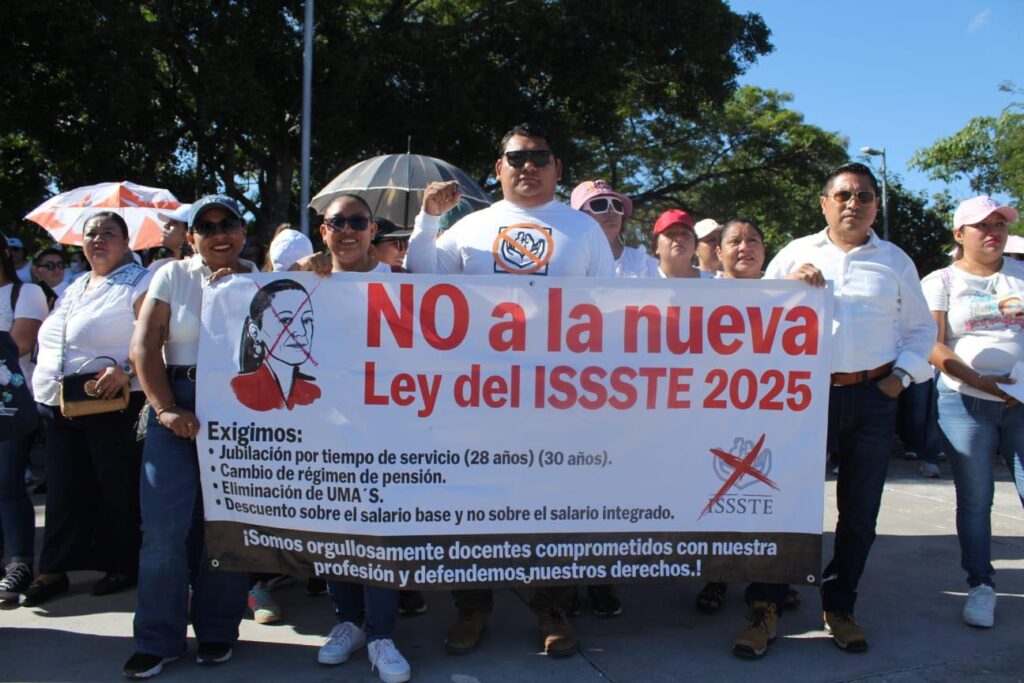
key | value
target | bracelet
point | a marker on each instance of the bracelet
(161, 411)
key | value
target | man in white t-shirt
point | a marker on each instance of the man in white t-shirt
(528, 232)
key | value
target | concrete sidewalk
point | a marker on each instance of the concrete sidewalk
(910, 603)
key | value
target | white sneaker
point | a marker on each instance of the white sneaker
(980, 609)
(344, 639)
(929, 470)
(389, 662)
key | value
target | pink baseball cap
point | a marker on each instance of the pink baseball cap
(977, 209)
(670, 218)
(589, 189)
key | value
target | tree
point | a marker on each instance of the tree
(921, 227)
(988, 152)
(205, 94)
(754, 158)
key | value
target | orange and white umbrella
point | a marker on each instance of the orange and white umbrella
(64, 215)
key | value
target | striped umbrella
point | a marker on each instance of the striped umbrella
(64, 215)
(393, 185)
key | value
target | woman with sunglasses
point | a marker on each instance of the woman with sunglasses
(173, 556)
(92, 461)
(391, 243)
(22, 309)
(365, 614)
(611, 210)
(977, 306)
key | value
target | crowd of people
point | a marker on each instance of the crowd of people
(123, 490)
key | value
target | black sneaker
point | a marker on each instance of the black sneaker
(38, 592)
(17, 578)
(213, 653)
(142, 665)
(411, 603)
(604, 601)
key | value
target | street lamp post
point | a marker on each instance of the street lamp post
(307, 114)
(871, 151)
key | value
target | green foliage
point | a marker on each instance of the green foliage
(919, 226)
(752, 158)
(206, 95)
(988, 152)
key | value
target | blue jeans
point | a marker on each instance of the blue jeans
(378, 607)
(861, 422)
(17, 516)
(174, 549)
(974, 429)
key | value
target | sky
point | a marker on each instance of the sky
(898, 74)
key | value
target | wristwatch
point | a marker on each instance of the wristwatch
(903, 376)
(127, 369)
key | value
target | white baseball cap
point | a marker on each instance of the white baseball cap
(288, 247)
(706, 227)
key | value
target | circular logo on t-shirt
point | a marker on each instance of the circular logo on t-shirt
(523, 249)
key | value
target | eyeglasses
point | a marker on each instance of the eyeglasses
(50, 265)
(603, 204)
(401, 243)
(229, 226)
(863, 197)
(337, 222)
(538, 157)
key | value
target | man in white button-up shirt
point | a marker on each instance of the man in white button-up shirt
(882, 334)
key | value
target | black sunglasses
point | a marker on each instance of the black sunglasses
(337, 222)
(229, 226)
(50, 266)
(538, 157)
(400, 242)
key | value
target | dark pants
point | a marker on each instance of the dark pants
(862, 420)
(92, 491)
(918, 422)
(767, 592)
(482, 599)
(17, 516)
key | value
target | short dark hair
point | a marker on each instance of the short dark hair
(110, 215)
(49, 251)
(733, 222)
(853, 167)
(527, 130)
(356, 197)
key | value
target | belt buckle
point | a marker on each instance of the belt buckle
(190, 373)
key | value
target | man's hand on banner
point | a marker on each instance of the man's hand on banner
(319, 263)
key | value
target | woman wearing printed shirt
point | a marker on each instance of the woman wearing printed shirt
(977, 305)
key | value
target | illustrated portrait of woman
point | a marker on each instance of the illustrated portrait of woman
(276, 340)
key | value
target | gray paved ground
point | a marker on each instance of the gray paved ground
(910, 603)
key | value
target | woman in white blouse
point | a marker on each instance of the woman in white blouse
(92, 462)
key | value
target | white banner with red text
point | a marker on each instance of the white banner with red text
(427, 432)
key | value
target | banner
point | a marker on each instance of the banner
(424, 432)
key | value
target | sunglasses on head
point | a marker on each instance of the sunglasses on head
(538, 157)
(229, 226)
(50, 265)
(605, 204)
(357, 223)
(863, 197)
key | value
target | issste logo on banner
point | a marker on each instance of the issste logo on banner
(745, 465)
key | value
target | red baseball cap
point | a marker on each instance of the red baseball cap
(670, 218)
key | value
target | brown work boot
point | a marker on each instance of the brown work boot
(753, 640)
(846, 633)
(466, 633)
(559, 640)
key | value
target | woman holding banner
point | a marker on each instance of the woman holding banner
(366, 614)
(977, 306)
(173, 556)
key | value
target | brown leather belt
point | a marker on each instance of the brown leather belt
(845, 379)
